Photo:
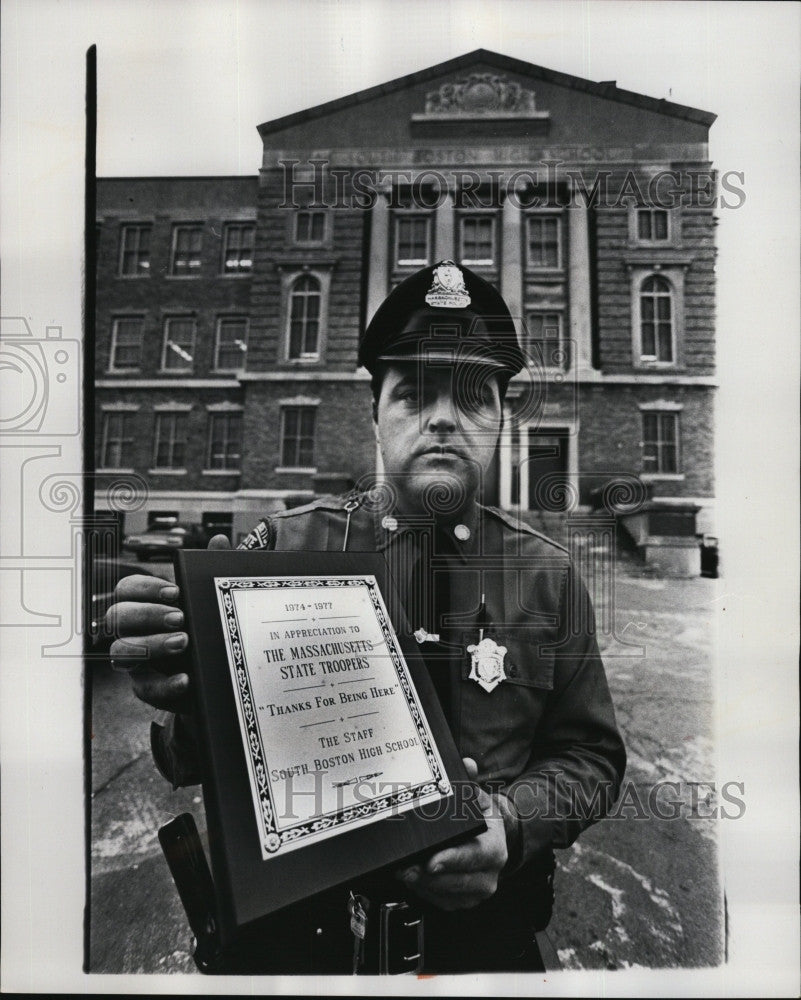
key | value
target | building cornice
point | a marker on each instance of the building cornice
(167, 383)
(308, 375)
(305, 376)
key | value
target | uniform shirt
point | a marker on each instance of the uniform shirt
(546, 735)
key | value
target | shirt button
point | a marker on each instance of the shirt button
(462, 532)
(512, 671)
(389, 523)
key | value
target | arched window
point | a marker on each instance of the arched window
(656, 320)
(304, 318)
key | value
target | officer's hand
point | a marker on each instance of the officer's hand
(464, 876)
(151, 642)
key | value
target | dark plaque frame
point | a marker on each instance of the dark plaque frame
(248, 886)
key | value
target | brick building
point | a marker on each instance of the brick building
(229, 308)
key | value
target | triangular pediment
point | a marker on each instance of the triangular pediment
(485, 94)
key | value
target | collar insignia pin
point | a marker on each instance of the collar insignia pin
(448, 290)
(422, 636)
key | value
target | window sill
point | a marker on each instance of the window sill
(656, 477)
(167, 472)
(668, 244)
(304, 470)
(128, 470)
(176, 371)
(124, 371)
(182, 277)
(221, 472)
(239, 274)
(133, 277)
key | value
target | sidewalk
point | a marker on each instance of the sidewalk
(637, 890)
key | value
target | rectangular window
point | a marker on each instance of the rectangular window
(179, 344)
(126, 343)
(238, 246)
(169, 446)
(412, 239)
(225, 441)
(660, 450)
(187, 243)
(545, 339)
(116, 440)
(135, 251)
(656, 320)
(305, 304)
(652, 224)
(309, 226)
(544, 241)
(478, 239)
(297, 436)
(232, 343)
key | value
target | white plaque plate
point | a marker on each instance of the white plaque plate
(334, 733)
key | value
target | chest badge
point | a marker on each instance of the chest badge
(487, 667)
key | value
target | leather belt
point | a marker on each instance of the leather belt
(388, 936)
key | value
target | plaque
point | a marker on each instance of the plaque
(324, 751)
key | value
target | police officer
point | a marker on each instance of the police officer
(505, 627)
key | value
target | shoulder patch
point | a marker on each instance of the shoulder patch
(262, 537)
(517, 525)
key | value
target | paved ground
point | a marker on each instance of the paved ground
(634, 891)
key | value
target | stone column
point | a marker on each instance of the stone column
(511, 271)
(444, 229)
(579, 288)
(378, 276)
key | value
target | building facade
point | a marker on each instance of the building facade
(229, 309)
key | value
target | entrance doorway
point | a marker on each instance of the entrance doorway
(539, 466)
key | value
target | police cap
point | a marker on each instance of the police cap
(444, 312)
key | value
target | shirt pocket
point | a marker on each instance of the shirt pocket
(527, 663)
(497, 726)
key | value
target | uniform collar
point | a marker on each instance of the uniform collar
(462, 534)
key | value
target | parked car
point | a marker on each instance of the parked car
(161, 538)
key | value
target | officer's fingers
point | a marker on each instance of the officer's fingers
(469, 856)
(136, 650)
(462, 899)
(134, 618)
(471, 767)
(219, 542)
(146, 588)
(463, 884)
(485, 852)
(484, 801)
(170, 693)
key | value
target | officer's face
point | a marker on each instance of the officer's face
(437, 426)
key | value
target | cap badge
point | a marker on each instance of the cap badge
(448, 290)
